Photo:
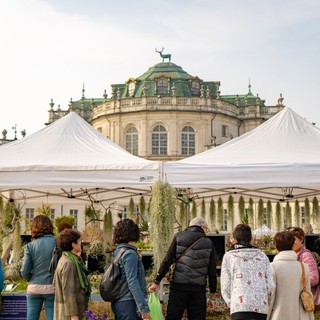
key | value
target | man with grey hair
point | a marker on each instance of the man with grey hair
(194, 256)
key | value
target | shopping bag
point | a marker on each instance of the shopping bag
(155, 307)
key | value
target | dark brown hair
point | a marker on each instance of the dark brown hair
(297, 232)
(283, 240)
(242, 233)
(67, 237)
(40, 226)
(64, 225)
(125, 231)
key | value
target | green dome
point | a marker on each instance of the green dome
(167, 69)
(179, 83)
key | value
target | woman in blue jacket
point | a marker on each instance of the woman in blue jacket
(133, 304)
(35, 268)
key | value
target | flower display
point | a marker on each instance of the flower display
(89, 315)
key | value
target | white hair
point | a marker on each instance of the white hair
(198, 221)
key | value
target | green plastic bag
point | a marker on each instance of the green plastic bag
(155, 307)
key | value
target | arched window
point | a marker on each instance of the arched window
(162, 86)
(132, 141)
(188, 147)
(159, 140)
(195, 88)
(132, 86)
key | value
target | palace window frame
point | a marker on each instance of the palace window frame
(159, 141)
(74, 213)
(188, 143)
(195, 88)
(162, 86)
(132, 140)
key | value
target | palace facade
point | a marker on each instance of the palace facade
(167, 114)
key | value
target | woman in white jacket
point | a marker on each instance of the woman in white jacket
(246, 278)
(287, 273)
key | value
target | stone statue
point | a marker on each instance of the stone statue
(164, 56)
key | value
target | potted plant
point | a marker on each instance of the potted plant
(96, 256)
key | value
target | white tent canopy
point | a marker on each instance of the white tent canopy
(279, 159)
(70, 158)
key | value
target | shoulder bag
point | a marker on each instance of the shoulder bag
(172, 268)
(112, 287)
(305, 295)
(56, 254)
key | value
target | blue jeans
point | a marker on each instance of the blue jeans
(34, 305)
(125, 310)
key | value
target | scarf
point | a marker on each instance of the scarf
(81, 271)
(238, 246)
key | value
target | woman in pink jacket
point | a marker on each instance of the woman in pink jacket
(304, 255)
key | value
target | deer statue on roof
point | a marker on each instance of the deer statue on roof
(164, 56)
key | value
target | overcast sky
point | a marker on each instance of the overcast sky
(49, 48)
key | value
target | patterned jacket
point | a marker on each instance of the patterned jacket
(246, 280)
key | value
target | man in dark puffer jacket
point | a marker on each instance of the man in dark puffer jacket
(187, 289)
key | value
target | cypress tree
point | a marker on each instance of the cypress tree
(203, 209)
(315, 211)
(212, 215)
(260, 213)
(182, 216)
(220, 214)
(231, 211)
(269, 214)
(278, 216)
(288, 214)
(241, 208)
(131, 208)
(297, 213)
(307, 210)
(250, 213)
(193, 209)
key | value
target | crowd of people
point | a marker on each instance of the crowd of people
(256, 289)
(252, 287)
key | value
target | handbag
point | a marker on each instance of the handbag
(172, 267)
(112, 286)
(54, 260)
(305, 295)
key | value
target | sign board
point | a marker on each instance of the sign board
(14, 307)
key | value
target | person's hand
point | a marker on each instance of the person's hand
(154, 288)
(215, 296)
(74, 317)
(146, 316)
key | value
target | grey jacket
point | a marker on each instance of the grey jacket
(36, 260)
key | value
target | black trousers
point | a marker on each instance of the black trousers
(248, 316)
(194, 302)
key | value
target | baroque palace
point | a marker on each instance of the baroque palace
(167, 114)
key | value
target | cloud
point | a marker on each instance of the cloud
(51, 47)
